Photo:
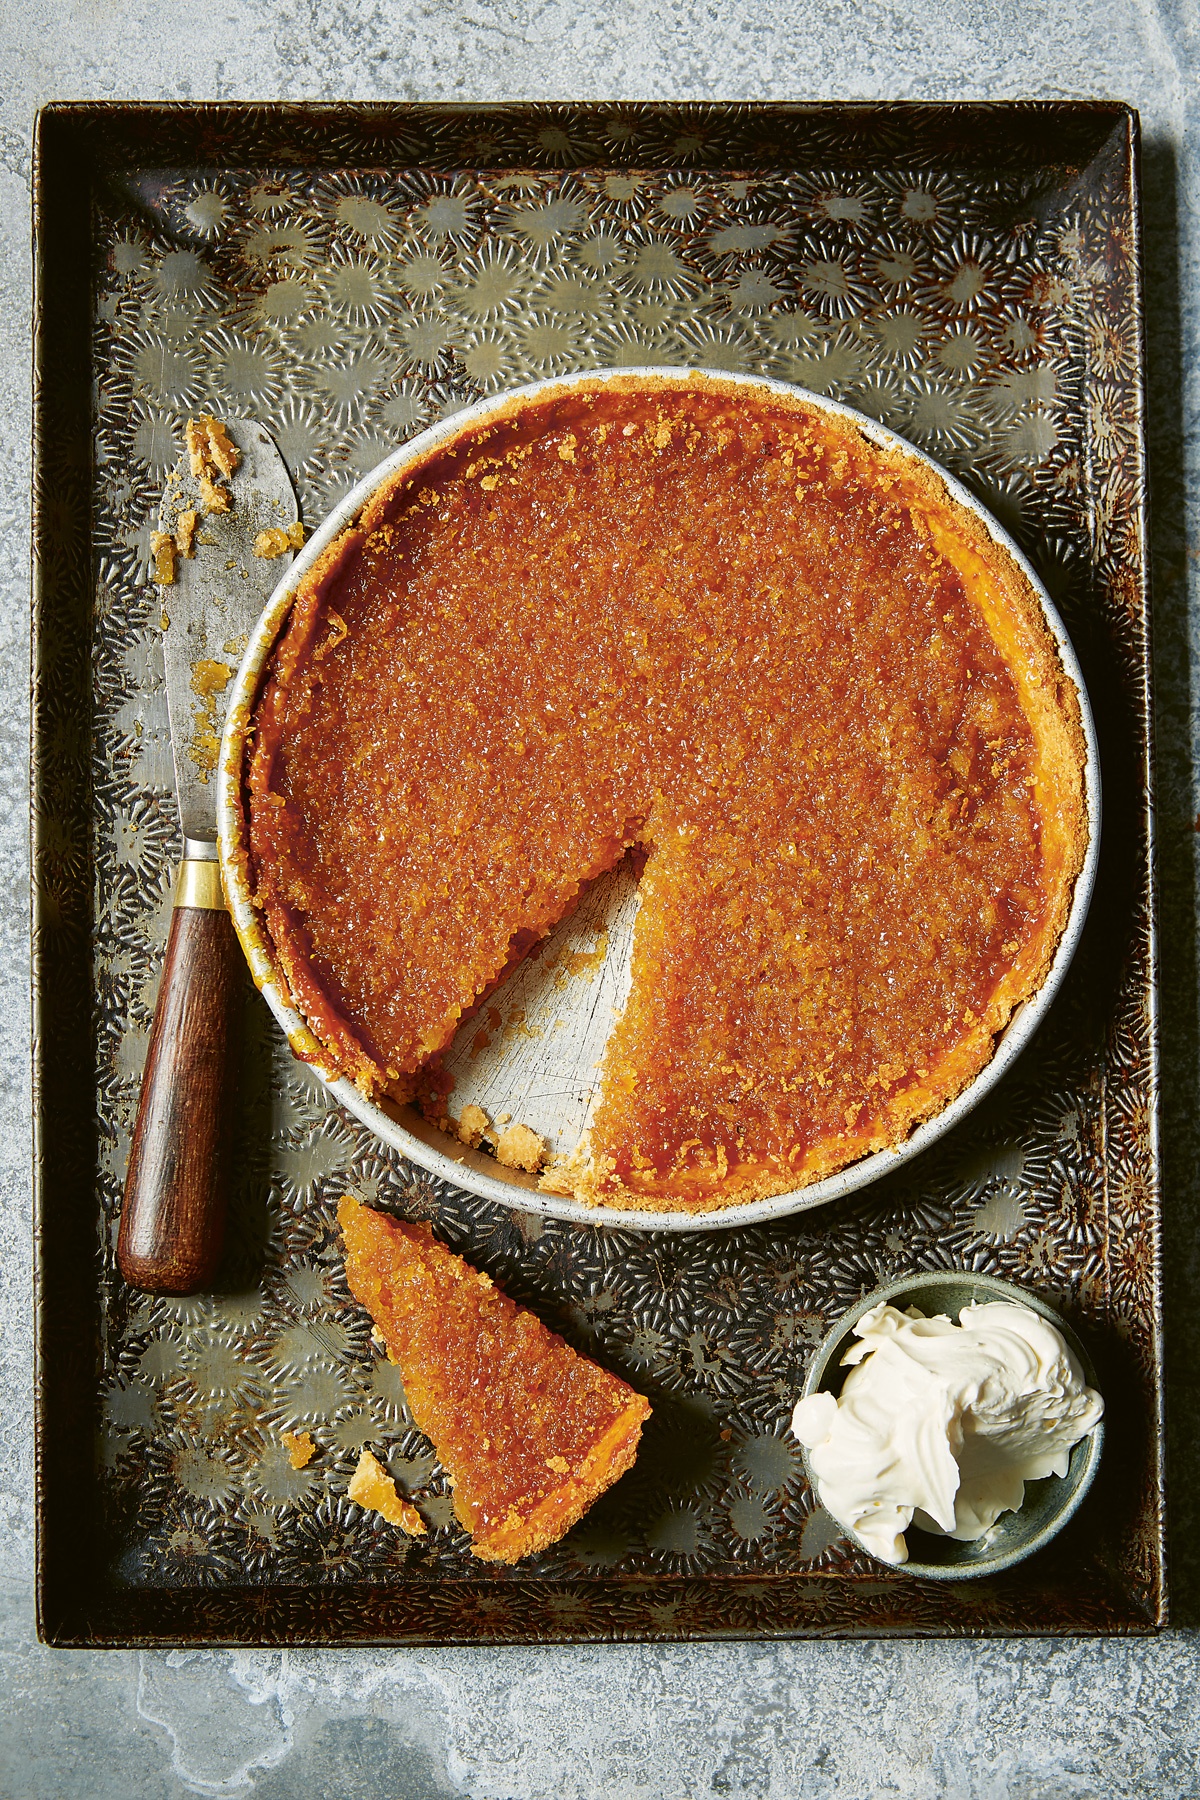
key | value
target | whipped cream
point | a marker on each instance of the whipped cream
(942, 1424)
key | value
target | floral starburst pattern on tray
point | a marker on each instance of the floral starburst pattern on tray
(988, 313)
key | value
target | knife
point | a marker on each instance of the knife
(177, 1182)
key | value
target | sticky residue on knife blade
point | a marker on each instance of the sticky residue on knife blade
(209, 678)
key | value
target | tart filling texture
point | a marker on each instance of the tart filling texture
(728, 630)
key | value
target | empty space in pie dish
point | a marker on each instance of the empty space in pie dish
(532, 1052)
(533, 1048)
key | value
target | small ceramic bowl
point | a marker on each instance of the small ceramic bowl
(1048, 1503)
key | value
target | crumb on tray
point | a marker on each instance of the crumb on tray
(372, 1488)
(300, 1447)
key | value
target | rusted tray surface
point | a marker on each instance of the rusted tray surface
(967, 274)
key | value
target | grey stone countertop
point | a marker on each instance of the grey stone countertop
(1015, 1720)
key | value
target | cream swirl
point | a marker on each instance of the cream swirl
(943, 1424)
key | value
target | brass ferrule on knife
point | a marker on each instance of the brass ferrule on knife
(199, 879)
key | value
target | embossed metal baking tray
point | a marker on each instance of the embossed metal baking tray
(967, 274)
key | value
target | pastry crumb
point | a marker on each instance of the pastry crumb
(210, 446)
(162, 549)
(300, 1447)
(185, 532)
(471, 1126)
(217, 499)
(274, 541)
(371, 1487)
(211, 452)
(519, 1147)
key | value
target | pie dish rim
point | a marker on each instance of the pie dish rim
(414, 1137)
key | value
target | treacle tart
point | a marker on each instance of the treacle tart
(725, 626)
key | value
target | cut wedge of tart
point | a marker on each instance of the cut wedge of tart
(530, 1432)
(724, 626)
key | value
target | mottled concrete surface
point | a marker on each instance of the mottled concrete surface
(997, 1721)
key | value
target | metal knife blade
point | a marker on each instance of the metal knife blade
(211, 607)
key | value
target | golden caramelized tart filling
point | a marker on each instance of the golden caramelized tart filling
(724, 627)
(530, 1432)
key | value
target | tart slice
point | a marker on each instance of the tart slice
(530, 1433)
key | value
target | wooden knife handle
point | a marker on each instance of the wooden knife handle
(177, 1184)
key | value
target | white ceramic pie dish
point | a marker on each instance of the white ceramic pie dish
(531, 1077)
